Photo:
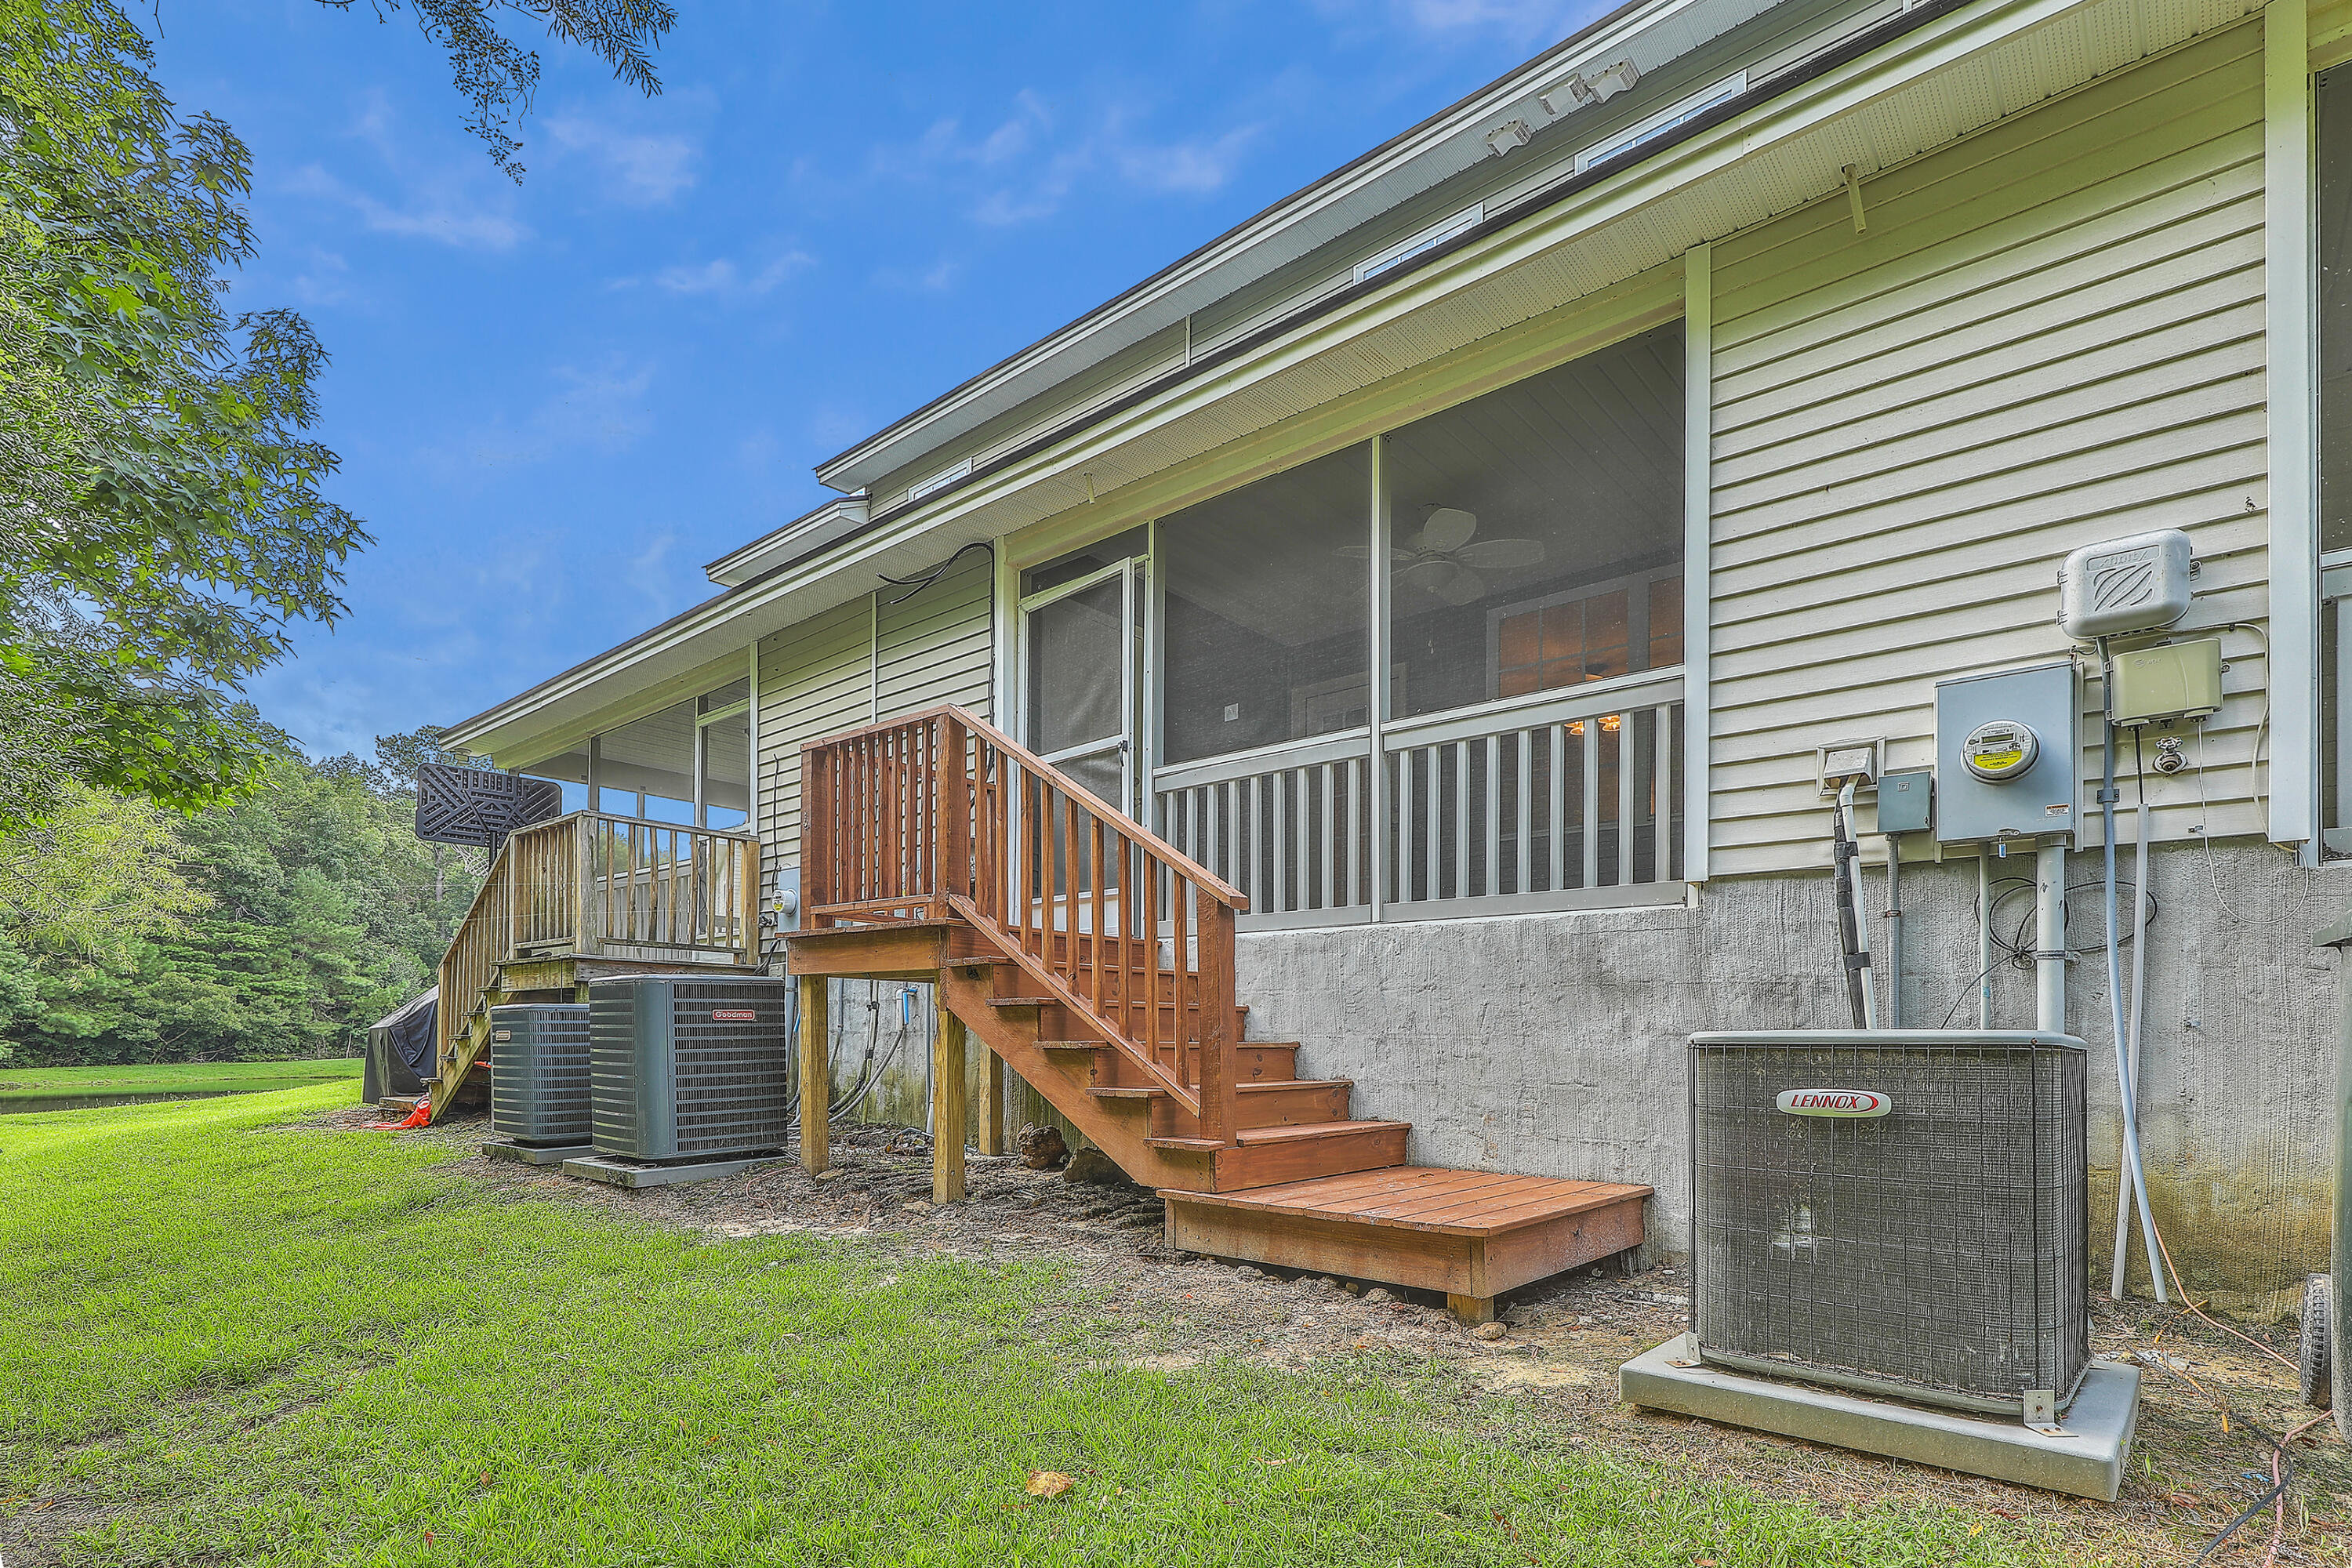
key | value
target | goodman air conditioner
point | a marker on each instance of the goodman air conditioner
(1899, 1212)
(539, 1073)
(689, 1066)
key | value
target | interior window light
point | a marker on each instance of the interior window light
(1404, 250)
(1663, 121)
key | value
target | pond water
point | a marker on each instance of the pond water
(18, 1104)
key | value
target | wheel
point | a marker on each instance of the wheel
(2315, 1366)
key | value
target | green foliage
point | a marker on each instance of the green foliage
(279, 924)
(162, 523)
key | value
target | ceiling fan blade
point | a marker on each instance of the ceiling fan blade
(1462, 586)
(1501, 554)
(1448, 528)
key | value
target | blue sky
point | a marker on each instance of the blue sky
(555, 401)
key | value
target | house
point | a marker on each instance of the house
(1447, 580)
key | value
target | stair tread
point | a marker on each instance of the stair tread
(1254, 1086)
(1307, 1131)
(1426, 1198)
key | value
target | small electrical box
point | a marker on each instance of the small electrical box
(2175, 680)
(2007, 748)
(1907, 801)
(2136, 584)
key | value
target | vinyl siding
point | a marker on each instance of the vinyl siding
(864, 660)
(935, 646)
(2050, 334)
(815, 680)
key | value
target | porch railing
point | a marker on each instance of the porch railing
(1555, 801)
(591, 884)
(942, 814)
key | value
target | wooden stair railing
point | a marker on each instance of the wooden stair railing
(586, 885)
(941, 815)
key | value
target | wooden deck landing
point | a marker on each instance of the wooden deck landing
(1471, 1234)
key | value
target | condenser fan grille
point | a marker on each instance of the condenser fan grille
(1937, 1250)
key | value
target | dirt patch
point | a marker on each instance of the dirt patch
(1551, 1378)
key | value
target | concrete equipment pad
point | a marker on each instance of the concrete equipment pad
(628, 1173)
(533, 1155)
(2087, 1461)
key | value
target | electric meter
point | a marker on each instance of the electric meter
(2006, 747)
(1999, 751)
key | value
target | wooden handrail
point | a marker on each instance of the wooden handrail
(940, 813)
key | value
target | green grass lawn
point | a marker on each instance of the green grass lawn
(172, 1077)
(232, 1340)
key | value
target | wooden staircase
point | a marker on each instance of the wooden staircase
(1096, 960)
(585, 897)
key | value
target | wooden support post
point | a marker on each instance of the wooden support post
(816, 1075)
(1471, 1309)
(948, 1107)
(991, 1103)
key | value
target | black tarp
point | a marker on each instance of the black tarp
(401, 1047)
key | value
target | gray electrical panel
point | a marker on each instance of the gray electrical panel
(1907, 801)
(2006, 747)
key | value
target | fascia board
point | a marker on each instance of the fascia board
(1444, 144)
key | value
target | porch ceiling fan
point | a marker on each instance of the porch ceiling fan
(1447, 559)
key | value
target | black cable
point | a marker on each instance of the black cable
(2017, 950)
(2282, 1455)
(922, 581)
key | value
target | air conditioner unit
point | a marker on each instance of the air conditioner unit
(539, 1073)
(1896, 1212)
(689, 1066)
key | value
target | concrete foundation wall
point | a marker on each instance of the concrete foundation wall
(1554, 1044)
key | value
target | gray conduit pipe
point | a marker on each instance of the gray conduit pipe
(1850, 850)
(2139, 1000)
(1893, 937)
(2125, 1077)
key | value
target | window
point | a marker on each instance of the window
(1536, 533)
(1665, 120)
(1429, 239)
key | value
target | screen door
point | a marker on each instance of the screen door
(1080, 645)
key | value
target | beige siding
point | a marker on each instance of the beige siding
(2051, 333)
(867, 659)
(935, 646)
(815, 680)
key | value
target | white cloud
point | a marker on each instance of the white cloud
(597, 408)
(724, 277)
(424, 212)
(1028, 164)
(643, 170)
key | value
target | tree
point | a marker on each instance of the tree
(498, 77)
(163, 522)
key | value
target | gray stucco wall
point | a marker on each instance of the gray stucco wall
(1553, 1043)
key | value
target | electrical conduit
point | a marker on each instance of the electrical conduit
(2125, 1068)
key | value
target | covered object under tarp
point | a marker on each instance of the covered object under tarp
(401, 1047)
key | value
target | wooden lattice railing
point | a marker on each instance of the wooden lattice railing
(941, 814)
(592, 885)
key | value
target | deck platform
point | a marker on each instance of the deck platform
(1472, 1235)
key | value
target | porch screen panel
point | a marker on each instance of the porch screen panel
(1536, 533)
(646, 768)
(1266, 606)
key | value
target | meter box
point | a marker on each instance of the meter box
(2006, 746)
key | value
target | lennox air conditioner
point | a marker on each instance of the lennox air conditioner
(689, 1066)
(539, 1073)
(1894, 1211)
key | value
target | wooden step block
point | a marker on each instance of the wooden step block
(1471, 1234)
